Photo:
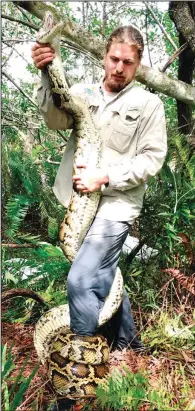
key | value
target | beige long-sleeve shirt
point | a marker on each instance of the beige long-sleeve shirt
(134, 144)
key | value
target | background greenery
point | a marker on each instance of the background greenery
(163, 302)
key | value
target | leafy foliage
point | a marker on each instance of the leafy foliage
(127, 391)
(31, 216)
(13, 388)
(169, 333)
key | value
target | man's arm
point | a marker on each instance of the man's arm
(54, 118)
(151, 148)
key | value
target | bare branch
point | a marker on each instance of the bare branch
(22, 292)
(25, 23)
(78, 48)
(10, 245)
(12, 49)
(174, 56)
(19, 88)
(24, 13)
(21, 55)
(51, 161)
(104, 18)
(20, 40)
(8, 57)
(147, 39)
(160, 25)
(47, 161)
(117, 6)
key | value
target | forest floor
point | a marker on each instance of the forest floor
(40, 394)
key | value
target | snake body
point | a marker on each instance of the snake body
(82, 207)
(76, 364)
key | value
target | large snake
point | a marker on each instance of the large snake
(76, 364)
(82, 207)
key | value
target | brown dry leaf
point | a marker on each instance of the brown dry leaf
(187, 358)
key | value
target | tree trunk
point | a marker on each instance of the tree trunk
(185, 73)
(183, 16)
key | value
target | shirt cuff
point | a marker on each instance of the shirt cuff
(113, 178)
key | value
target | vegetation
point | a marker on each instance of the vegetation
(13, 389)
(160, 283)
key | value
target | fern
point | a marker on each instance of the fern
(186, 282)
(53, 228)
(168, 333)
(120, 391)
(184, 155)
(42, 269)
(16, 210)
(181, 158)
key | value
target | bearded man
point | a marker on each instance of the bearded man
(131, 123)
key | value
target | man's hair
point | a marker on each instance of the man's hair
(129, 35)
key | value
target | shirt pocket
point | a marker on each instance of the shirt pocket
(124, 129)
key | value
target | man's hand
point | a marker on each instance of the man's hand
(42, 54)
(90, 179)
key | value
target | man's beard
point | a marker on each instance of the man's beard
(114, 85)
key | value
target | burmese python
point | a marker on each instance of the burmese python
(76, 364)
(82, 207)
(64, 352)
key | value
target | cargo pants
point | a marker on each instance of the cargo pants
(90, 278)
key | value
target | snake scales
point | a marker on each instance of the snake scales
(76, 364)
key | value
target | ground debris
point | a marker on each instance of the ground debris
(40, 393)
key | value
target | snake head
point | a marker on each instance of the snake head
(50, 32)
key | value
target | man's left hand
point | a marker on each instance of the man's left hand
(90, 179)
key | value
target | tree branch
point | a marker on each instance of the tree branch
(94, 45)
(166, 85)
(24, 13)
(12, 49)
(78, 48)
(22, 292)
(10, 245)
(19, 40)
(147, 39)
(8, 45)
(26, 95)
(174, 56)
(25, 23)
(130, 256)
(160, 25)
(19, 88)
(47, 161)
(9, 55)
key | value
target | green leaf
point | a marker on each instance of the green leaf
(23, 387)
(5, 392)
(7, 362)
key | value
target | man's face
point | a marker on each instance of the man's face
(121, 63)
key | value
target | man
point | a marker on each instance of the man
(131, 123)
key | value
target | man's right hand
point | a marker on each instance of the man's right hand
(42, 54)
